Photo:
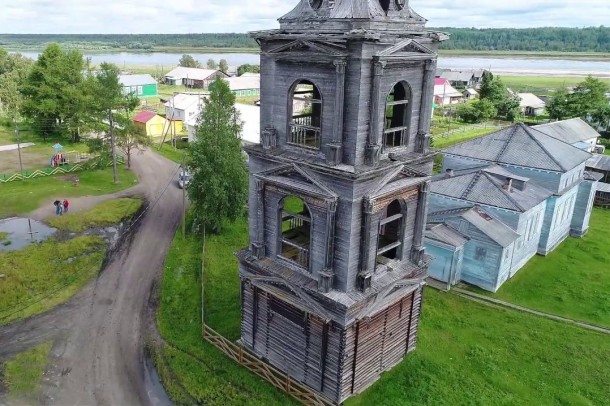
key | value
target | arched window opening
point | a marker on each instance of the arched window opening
(306, 119)
(385, 5)
(390, 232)
(396, 126)
(296, 231)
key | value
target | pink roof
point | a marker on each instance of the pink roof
(144, 116)
(439, 81)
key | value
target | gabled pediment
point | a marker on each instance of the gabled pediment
(406, 48)
(292, 177)
(291, 294)
(311, 47)
(399, 179)
(391, 294)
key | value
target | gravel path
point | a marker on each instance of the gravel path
(98, 352)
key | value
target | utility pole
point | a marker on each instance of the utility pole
(114, 168)
(18, 144)
(183, 196)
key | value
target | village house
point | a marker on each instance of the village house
(512, 194)
(139, 85)
(530, 104)
(245, 85)
(151, 123)
(470, 94)
(192, 77)
(445, 94)
(250, 117)
(574, 131)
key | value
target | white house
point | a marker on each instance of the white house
(192, 77)
(250, 117)
(182, 106)
(245, 85)
(530, 104)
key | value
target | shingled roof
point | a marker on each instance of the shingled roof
(521, 145)
(571, 131)
(487, 187)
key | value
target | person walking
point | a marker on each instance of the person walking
(66, 203)
(57, 203)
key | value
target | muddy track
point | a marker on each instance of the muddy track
(98, 336)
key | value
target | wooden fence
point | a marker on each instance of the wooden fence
(275, 377)
(248, 360)
(53, 171)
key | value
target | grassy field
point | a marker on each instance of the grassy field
(42, 276)
(22, 374)
(542, 85)
(572, 281)
(37, 156)
(467, 353)
(102, 215)
(441, 142)
(24, 196)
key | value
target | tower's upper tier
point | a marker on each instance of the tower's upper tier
(347, 15)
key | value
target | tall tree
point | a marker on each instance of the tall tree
(109, 102)
(588, 97)
(248, 68)
(494, 91)
(223, 65)
(219, 185)
(558, 106)
(188, 62)
(14, 69)
(52, 89)
(211, 64)
(129, 137)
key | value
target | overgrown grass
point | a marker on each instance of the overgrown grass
(168, 151)
(102, 215)
(542, 84)
(572, 281)
(467, 353)
(445, 142)
(42, 276)
(213, 379)
(23, 372)
(24, 196)
(3, 236)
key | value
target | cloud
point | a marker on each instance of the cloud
(193, 16)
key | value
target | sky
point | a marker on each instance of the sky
(195, 16)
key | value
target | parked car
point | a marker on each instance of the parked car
(184, 178)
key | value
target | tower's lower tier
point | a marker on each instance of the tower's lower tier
(332, 359)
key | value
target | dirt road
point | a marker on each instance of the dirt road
(98, 352)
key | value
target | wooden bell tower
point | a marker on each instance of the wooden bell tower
(331, 283)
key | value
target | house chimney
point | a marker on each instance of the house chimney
(508, 185)
(449, 172)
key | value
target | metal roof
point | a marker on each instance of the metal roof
(191, 73)
(487, 187)
(530, 100)
(603, 187)
(521, 145)
(599, 161)
(461, 76)
(571, 131)
(481, 220)
(244, 82)
(136, 80)
(445, 234)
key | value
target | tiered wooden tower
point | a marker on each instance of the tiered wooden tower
(332, 280)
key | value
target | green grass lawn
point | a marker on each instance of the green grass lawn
(169, 152)
(572, 281)
(44, 275)
(24, 196)
(102, 215)
(468, 353)
(23, 372)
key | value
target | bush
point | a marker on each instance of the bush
(477, 111)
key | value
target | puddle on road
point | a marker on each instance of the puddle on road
(19, 232)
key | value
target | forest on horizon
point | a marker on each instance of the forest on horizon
(546, 39)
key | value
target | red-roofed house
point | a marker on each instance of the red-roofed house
(153, 124)
(445, 94)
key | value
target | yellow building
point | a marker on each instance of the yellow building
(153, 124)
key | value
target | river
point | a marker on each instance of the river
(505, 65)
